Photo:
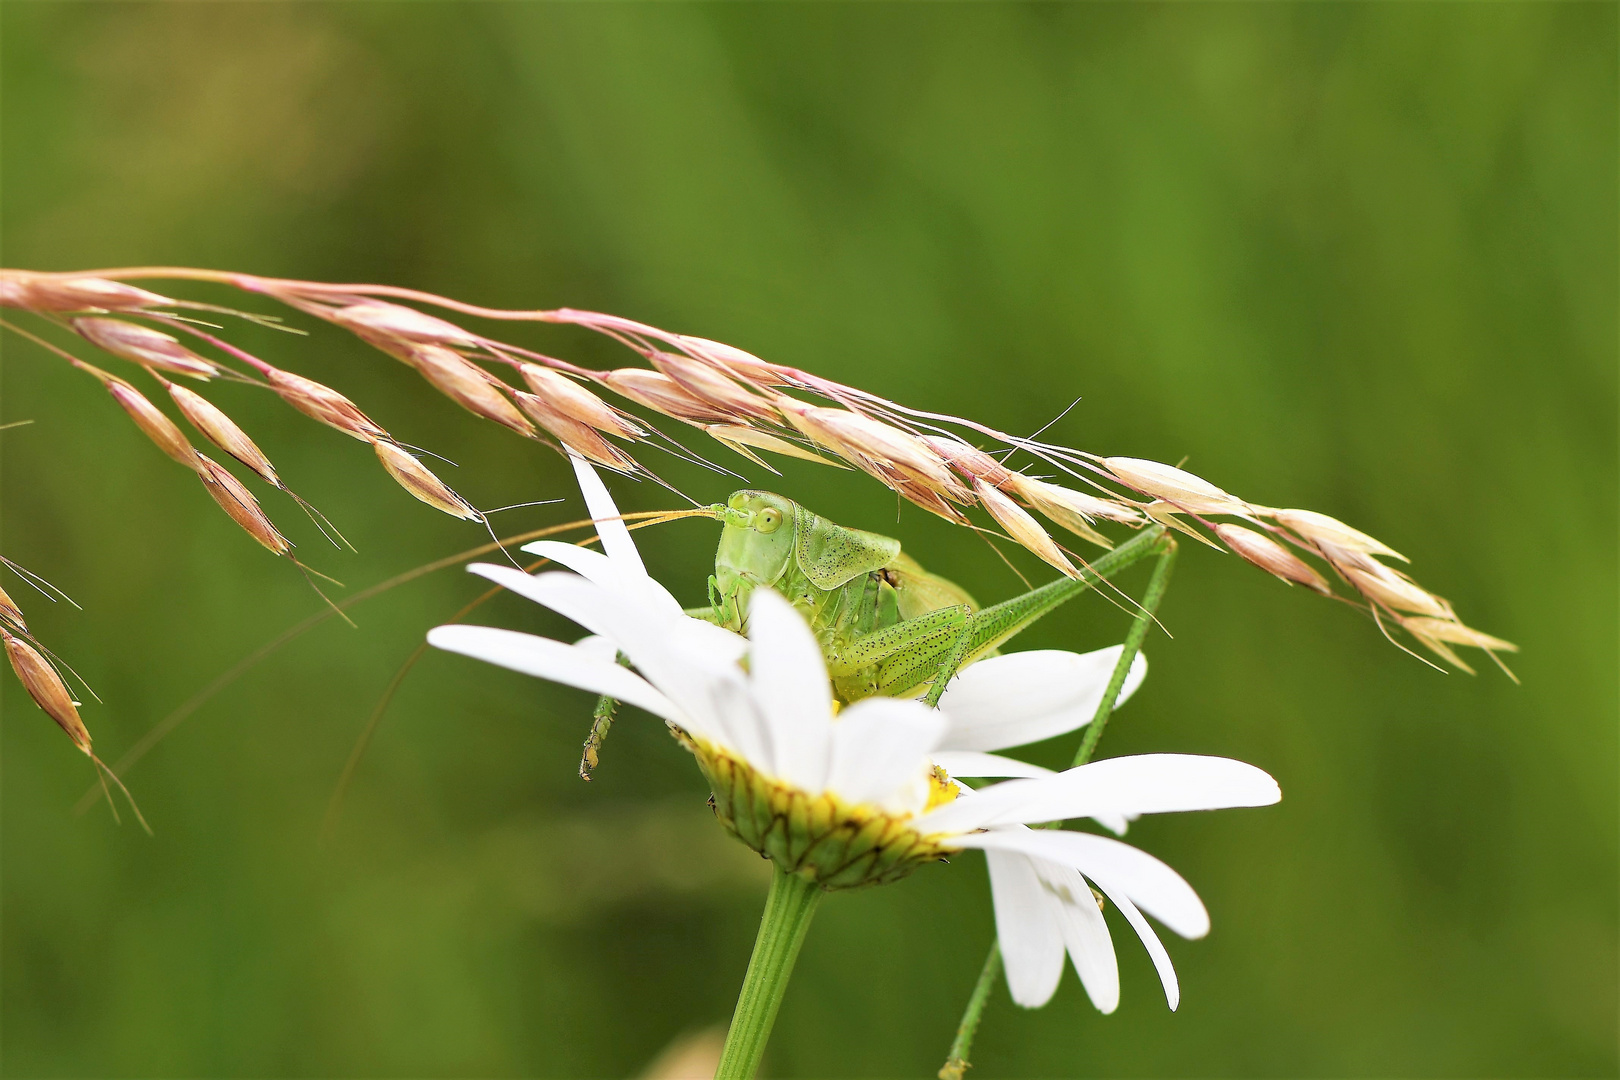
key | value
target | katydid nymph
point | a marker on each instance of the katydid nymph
(886, 626)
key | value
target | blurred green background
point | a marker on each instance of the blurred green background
(1353, 257)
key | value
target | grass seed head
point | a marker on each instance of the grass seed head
(740, 438)
(572, 399)
(581, 438)
(663, 394)
(896, 458)
(324, 404)
(1072, 510)
(971, 462)
(1320, 529)
(376, 318)
(734, 359)
(708, 384)
(1041, 495)
(239, 503)
(46, 687)
(54, 293)
(1191, 493)
(11, 612)
(1022, 527)
(1272, 557)
(222, 431)
(144, 345)
(1422, 626)
(468, 385)
(157, 426)
(1394, 591)
(415, 478)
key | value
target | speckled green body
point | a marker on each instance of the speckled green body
(849, 584)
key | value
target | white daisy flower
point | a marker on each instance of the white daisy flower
(856, 797)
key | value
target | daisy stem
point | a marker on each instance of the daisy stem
(957, 1063)
(1157, 584)
(788, 908)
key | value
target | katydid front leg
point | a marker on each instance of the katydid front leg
(601, 720)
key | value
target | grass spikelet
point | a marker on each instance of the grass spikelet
(1022, 528)
(66, 292)
(897, 458)
(735, 360)
(1321, 529)
(374, 318)
(1456, 633)
(46, 687)
(739, 437)
(468, 386)
(10, 612)
(1272, 557)
(580, 438)
(239, 503)
(145, 346)
(1394, 591)
(223, 432)
(151, 420)
(574, 400)
(663, 394)
(707, 383)
(416, 478)
(1191, 493)
(971, 462)
(322, 403)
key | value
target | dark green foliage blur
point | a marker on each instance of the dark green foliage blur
(1353, 257)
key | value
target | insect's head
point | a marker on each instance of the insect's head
(756, 543)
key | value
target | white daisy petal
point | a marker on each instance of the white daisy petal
(1027, 926)
(740, 722)
(1142, 784)
(789, 679)
(974, 763)
(1155, 888)
(582, 609)
(1150, 941)
(670, 653)
(599, 646)
(1029, 696)
(616, 542)
(1114, 823)
(592, 565)
(553, 660)
(1085, 932)
(716, 642)
(879, 747)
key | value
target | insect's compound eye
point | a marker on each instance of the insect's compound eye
(768, 520)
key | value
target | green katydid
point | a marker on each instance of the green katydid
(886, 626)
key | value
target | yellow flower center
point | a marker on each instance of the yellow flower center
(831, 842)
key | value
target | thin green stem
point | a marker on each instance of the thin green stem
(788, 908)
(957, 1063)
(1157, 584)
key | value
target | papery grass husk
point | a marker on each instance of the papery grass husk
(46, 687)
(938, 462)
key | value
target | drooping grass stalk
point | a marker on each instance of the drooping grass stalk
(957, 1063)
(788, 908)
